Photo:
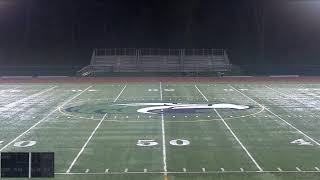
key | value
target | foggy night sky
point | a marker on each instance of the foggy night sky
(66, 31)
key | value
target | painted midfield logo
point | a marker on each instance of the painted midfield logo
(158, 108)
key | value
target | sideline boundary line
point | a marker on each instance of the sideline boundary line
(188, 172)
(233, 134)
(286, 122)
(43, 119)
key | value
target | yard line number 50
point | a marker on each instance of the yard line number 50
(174, 142)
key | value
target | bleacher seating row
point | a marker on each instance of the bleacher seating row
(158, 60)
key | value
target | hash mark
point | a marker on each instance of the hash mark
(222, 169)
(317, 168)
(87, 170)
(241, 169)
(279, 169)
(126, 170)
(297, 168)
(184, 170)
(106, 171)
(203, 169)
(145, 170)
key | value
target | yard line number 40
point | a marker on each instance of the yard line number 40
(22, 143)
(174, 142)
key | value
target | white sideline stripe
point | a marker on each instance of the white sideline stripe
(11, 105)
(93, 132)
(189, 172)
(85, 144)
(278, 117)
(66, 102)
(120, 93)
(201, 93)
(233, 134)
(164, 151)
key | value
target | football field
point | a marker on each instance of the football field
(166, 130)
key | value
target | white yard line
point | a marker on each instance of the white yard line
(43, 119)
(298, 130)
(92, 134)
(164, 151)
(13, 104)
(85, 144)
(201, 93)
(120, 93)
(233, 134)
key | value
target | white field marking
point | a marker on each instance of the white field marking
(126, 170)
(184, 169)
(164, 151)
(43, 119)
(201, 93)
(278, 117)
(13, 104)
(233, 134)
(279, 169)
(317, 168)
(145, 170)
(87, 170)
(203, 169)
(189, 172)
(222, 169)
(241, 169)
(85, 144)
(298, 169)
(106, 171)
(120, 93)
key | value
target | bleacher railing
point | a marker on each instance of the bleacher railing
(157, 52)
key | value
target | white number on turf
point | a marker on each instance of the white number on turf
(179, 142)
(169, 90)
(153, 89)
(301, 142)
(146, 143)
(24, 143)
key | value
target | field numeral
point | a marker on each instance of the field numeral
(150, 90)
(179, 142)
(146, 143)
(301, 142)
(25, 143)
(174, 142)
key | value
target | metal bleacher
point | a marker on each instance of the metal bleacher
(157, 60)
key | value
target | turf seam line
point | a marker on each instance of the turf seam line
(120, 93)
(43, 119)
(233, 134)
(286, 122)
